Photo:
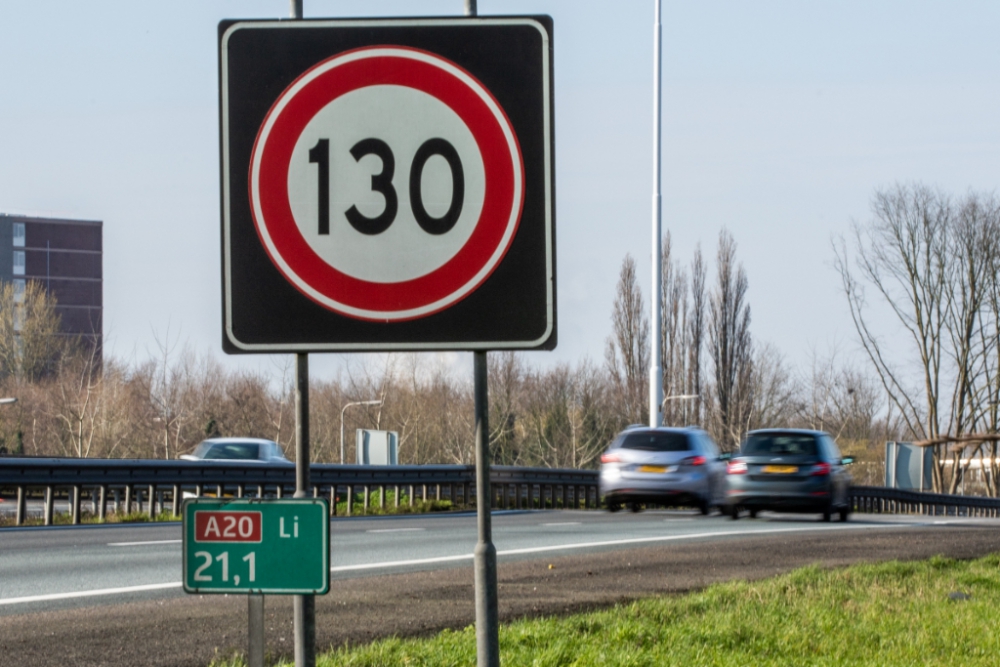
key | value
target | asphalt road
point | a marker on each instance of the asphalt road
(83, 593)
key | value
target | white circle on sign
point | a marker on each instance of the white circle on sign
(403, 118)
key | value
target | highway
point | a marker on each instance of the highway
(84, 575)
(71, 567)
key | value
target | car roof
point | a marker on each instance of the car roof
(259, 441)
(660, 429)
(790, 431)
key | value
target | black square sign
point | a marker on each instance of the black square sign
(387, 184)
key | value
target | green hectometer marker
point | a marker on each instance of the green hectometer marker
(279, 546)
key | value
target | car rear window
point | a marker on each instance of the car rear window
(656, 442)
(791, 444)
(233, 450)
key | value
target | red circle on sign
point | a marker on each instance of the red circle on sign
(460, 275)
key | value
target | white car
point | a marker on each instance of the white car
(256, 450)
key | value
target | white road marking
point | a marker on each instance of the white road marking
(139, 544)
(92, 593)
(463, 557)
(604, 543)
(395, 530)
(564, 523)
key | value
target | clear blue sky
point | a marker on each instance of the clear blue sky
(780, 118)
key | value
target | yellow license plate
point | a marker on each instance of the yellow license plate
(652, 468)
(781, 470)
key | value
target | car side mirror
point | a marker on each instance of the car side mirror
(847, 460)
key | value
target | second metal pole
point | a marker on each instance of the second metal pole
(305, 605)
(487, 615)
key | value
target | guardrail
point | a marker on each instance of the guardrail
(150, 485)
(878, 499)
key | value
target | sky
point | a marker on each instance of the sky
(780, 120)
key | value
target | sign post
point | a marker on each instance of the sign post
(388, 185)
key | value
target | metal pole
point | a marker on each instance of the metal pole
(487, 617)
(255, 630)
(305, 605)
(343, 410)
(655, 371)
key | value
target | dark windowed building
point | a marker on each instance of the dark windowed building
(65, 256)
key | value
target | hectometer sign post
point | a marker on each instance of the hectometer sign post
(279, 546)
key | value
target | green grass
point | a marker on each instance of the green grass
(418, 507)
(66, 519)
(880, 615)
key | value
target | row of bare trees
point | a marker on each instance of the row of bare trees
(715, 375)
(73, 404)
(932, 261)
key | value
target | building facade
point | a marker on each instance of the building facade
(66, 257)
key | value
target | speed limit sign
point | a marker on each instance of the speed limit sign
(387, 184)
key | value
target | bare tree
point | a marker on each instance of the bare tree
(31, 344)
(682, 333)
(933, 263)
(627, 350)
(775, 391)
(730, 347)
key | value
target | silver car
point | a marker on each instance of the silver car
(663, 466)
(238, 449)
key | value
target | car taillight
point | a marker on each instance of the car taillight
(820, 470)
(610, 458)
(694, 461)
(736, 468)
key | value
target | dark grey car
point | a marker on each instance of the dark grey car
(665, 466)
(789, 471)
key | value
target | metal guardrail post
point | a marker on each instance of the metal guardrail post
(102, 502)
(49, 500)
(21, 512)
(75, 504)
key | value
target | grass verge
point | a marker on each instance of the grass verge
(889, 614)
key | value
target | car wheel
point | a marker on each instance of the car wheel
(753, 514)
(635, 508)
(827, 513)
(844, 513)
(705, 507)
(734, 512)
(614, 506)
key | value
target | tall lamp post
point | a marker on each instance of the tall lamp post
(655, 371)
(372, 402)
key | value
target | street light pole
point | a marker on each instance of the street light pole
(655, 371)
(372, 402)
